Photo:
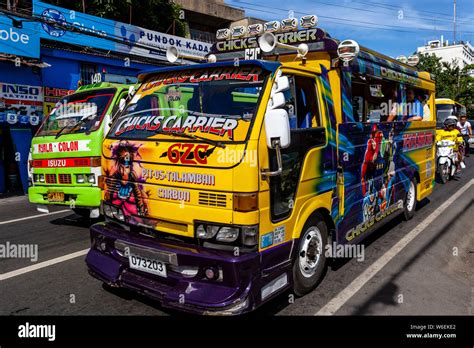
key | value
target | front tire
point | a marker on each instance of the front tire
(310, 259)
(409, 205)
(443, 171)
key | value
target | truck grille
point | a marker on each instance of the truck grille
(65, 179)
(212, 199)
(50, 178)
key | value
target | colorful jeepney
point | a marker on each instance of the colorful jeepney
(65, 153)
(226, 184)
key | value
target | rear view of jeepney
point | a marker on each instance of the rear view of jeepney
(66, 151)
(179, 192)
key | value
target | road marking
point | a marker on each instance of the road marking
(337, 302)
(33, 217)
(42, 264)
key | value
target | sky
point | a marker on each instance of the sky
(388, 26)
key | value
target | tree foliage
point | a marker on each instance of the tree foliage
(155, 15)
(451, 81)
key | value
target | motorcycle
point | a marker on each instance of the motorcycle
(446, 160)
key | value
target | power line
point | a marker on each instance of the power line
(377, 25)
(373, 11)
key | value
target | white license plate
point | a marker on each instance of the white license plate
(148, 265)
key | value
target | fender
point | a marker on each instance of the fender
(322, 201)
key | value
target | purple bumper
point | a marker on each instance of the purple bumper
(236, 291)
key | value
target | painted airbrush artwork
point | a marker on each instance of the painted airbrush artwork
(124, 188)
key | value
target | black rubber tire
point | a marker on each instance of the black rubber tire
(408, 214)
(444, 178)
(301, 284)
(82, 212)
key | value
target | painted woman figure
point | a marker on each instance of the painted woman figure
(125, 189)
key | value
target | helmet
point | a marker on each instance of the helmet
(449, 122)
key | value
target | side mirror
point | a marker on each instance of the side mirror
(277, 101)
(281, 84)
(277, 128)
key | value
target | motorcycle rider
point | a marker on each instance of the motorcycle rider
(466, 130)
(451, 132)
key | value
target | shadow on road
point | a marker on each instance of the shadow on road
(75, 220)
(386, 294)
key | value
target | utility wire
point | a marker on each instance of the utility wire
(377, 25)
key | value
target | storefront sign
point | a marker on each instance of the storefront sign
(100, 33)
(21, 94)
(51, 96)
(21, 42)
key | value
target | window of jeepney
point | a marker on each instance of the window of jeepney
(375, 100)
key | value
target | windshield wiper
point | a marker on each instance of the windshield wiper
(194, 137)
(77, 124)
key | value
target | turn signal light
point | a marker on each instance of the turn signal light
(101, 182)
(95, 161)
(245, 202)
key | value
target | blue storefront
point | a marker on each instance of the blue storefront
(43, 62)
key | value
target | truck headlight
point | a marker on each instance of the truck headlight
(41, 177)
(227, 234)
(206, 231)
(113, 212)
(80, 179)
(91, 178)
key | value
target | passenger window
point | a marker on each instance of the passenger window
(301, 103)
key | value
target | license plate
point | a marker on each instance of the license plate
(55, 196)
(148, 265)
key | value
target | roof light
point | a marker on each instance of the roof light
(289, 24)
(255, 29)
(271, 27)
(413, 60)
(309, 21)
(347, 50)
(402, 59)
(223, 34)
(238, 31)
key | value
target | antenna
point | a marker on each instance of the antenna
(454, 23)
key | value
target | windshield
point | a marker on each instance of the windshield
(443, 111)
(216, 104)
(68, 112)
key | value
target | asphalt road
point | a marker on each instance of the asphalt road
(431, 275)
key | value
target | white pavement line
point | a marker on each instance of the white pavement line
(337, 302)
(42, 264)
(33, 217)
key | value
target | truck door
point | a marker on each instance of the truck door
(304, 163)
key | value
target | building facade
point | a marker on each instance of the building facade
(460, 53)
(41, 62)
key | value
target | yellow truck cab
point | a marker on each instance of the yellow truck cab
(227, 183)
